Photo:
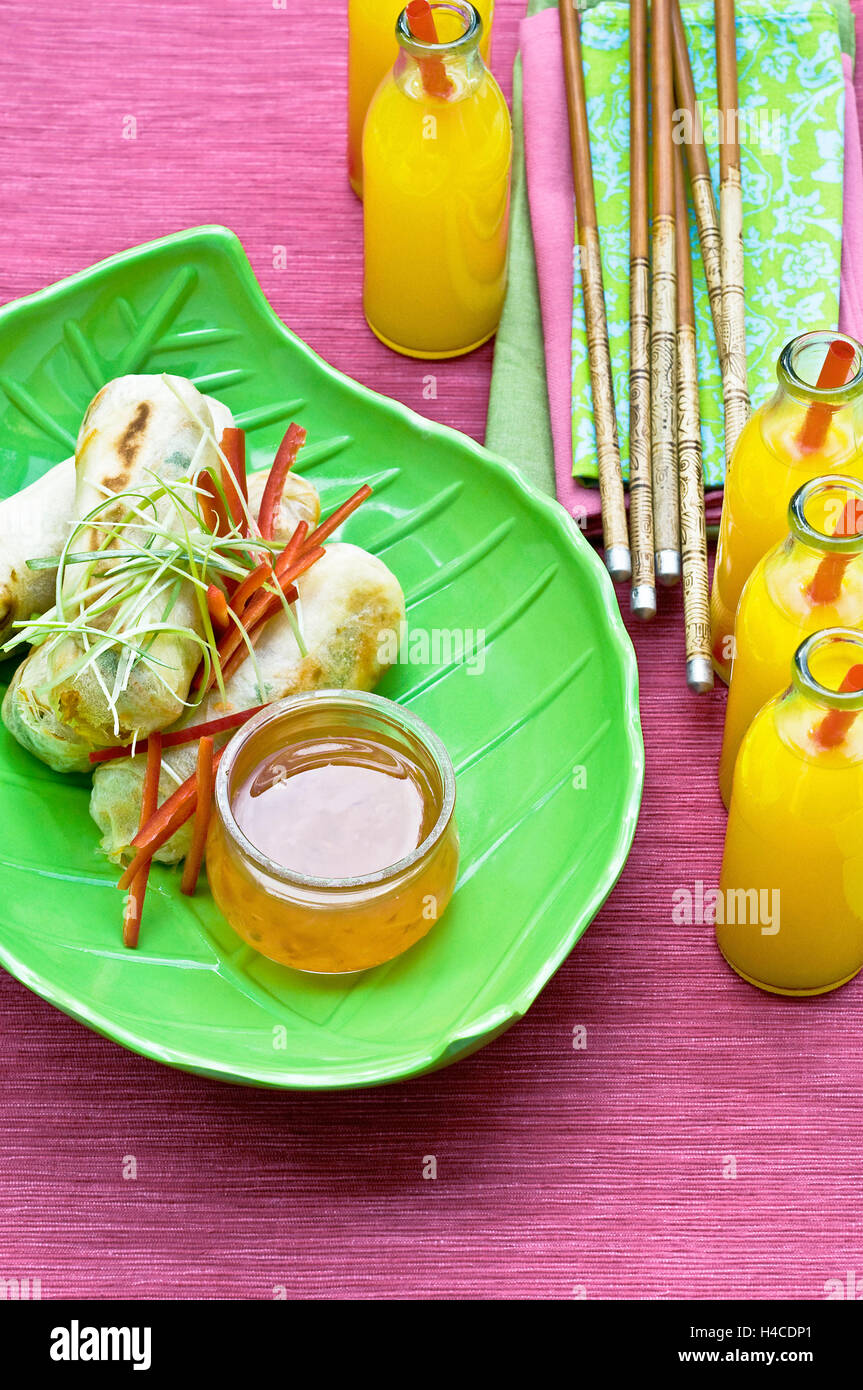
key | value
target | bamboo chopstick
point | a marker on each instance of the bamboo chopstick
(666, 506)
(693, 528)
(731, 225)
(643, 597)
(614, 527)
(701, 185)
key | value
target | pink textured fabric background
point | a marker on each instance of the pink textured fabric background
(559, 1171)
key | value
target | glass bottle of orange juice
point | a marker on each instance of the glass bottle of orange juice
(437, 149)
(812, 425)
(372, 50)
(812, 580)
(789, 913)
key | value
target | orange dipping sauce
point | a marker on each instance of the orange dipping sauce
(334, 846)
(336, 807)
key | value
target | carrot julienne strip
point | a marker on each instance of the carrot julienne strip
(212, 508)
(164, 823)
(299, 554)
(134, 908)
(265, 604)
(262, 606)
(295, 546)
(266, 572)
(286, 457)
(235, 662)
(218, 607)
(195, 857)
(233, 446)
(250, 586)
(341, 514)
(253, 635)
(179, 737)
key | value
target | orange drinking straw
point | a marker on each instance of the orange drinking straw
(422, 26)
(834, 373)
(827, 580)
(835, 725)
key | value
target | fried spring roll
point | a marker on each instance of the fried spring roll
(137, 430)
(33, 523)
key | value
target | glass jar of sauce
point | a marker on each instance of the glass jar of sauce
(334, 844)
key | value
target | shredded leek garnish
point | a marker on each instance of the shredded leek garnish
(121, 576)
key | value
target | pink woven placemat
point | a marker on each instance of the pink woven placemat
(604, 1170)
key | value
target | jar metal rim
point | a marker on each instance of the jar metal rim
(341, 701)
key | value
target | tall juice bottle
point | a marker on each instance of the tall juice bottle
(789, 914)
(812, 425)
(812, 580)
(372, 50)
(437, 150)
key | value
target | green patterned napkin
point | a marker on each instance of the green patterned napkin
(810, 89)
(792, 100)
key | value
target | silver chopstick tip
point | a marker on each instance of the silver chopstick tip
(667, 565)
(699, 674)
(642, 601)
(618, 562)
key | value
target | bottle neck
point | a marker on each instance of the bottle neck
(821, 715)
(451, 68)
(817, 409)
(819, 563)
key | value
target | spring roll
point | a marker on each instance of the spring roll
(300, 502)
(36, 523)
(136, 431)
(34, 725)
(62, 703)
(33, 522)
(352, 611)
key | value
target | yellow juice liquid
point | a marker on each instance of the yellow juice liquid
(372, 50)
(766, 469)
(792, 872)
(436, 212)
(774, 615)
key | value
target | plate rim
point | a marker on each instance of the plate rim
(495, 1020)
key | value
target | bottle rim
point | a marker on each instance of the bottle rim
(464, 43)
(791, 380)
(806, 684)
(803, 530)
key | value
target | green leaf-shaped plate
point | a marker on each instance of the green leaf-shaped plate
(545, 739)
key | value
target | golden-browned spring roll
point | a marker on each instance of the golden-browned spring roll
(137, 432)
(33, 523)
(36, 522)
